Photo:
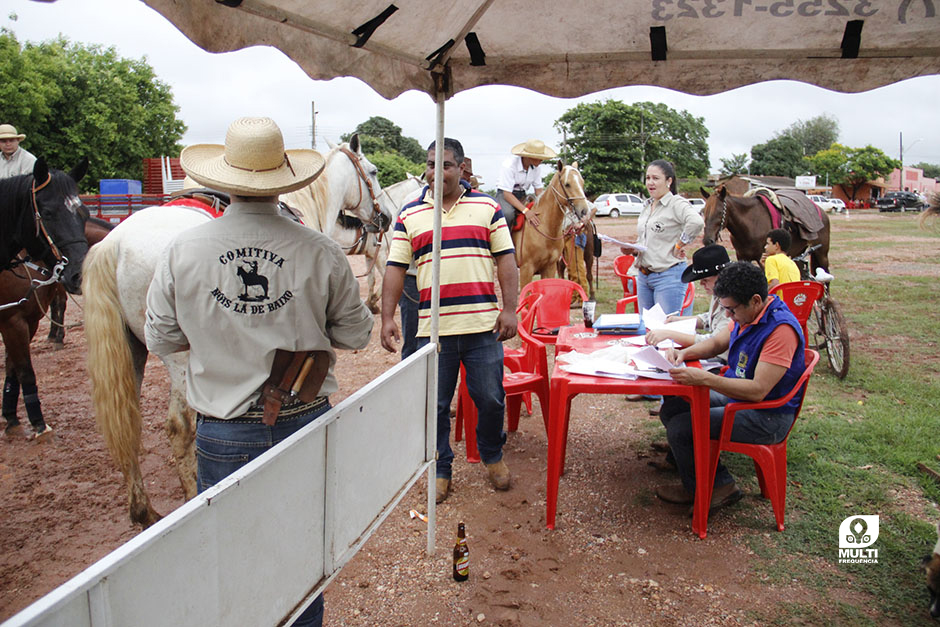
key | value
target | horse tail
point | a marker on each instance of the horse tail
(110, 363)
(931, 213)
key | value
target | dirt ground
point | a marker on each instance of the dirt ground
(617, 556)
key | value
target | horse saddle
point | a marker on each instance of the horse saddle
(294, 375)
(797, 210)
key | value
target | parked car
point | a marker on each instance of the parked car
(826, 204)
(837, 205)
(616, 205)
(900, 201)
(697, 203)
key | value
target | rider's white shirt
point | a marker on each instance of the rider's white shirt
(513, 177)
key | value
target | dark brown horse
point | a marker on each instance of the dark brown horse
(748, 222)
(39, 213)
(95, 230)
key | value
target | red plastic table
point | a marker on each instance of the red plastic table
(565, 386)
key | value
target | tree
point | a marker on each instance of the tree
(814, 134)
(783, 154)
(613, 142)
(931, 170)
(74, 100)
(378, 134)
(737, 164)
(852, 167)
(393, 167)
(780, 156)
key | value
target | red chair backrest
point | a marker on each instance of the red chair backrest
(553, 311)
(688, 298)
(799, 296)
(811, 358)
(536, 357)
(621, 265)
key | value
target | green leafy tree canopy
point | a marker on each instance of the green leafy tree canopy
(737, 164)
(783, 154)
(613, 142)
(931, 170)
(74, 100)
(378, 134)
(852, 167)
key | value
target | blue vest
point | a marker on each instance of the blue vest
(746, 346)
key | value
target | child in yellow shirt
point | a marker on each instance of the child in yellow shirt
(778, 267)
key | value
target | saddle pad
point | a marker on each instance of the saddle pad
(798, 208)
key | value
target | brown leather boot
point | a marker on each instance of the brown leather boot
(442, 485)
(499, 475)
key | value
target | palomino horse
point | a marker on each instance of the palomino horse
(38, 212)
(561, 205)
(748, 222)
(357, 238)
(117, 273)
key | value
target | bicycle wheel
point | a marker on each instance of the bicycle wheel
(815, 329)
(837, 337)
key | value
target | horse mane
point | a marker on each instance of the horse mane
(13, 211)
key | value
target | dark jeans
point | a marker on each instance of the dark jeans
(753, 426)
(224, 446)
(408, 303)
(482, 356)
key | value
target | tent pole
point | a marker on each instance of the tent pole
(436, 302)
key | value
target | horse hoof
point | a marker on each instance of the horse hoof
(44, 435)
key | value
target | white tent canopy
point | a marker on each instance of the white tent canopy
(569, 49)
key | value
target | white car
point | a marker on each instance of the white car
(697, 203)
(616, 205)
(837, 205)
(822, 202)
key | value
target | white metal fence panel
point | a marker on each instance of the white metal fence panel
(261, 544)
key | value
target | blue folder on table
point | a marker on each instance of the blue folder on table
(620, 324)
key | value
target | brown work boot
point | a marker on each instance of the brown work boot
(675, 494)
(727, 494)
(442, 487)
(499, 475)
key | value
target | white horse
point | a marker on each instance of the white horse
(357, 238)
(115, 282)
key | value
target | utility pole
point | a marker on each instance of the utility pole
(901, 155)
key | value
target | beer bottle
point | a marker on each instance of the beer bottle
(461, 555)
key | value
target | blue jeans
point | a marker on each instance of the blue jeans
(753, 426)
(224, 446)
(482, 356)
(665, 288)
(408, 303)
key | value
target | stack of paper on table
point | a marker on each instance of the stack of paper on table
(621, 362)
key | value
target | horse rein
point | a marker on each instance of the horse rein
(724, 217)
(566, 207)
(34, 284)
(376, 210)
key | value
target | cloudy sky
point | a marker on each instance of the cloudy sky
(213, 89)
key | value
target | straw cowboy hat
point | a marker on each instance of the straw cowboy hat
(706, 261)
(534, 149)
(7, 131)
(252, 162)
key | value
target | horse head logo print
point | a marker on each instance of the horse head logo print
(251, 279)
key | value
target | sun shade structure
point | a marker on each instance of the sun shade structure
(570, 49)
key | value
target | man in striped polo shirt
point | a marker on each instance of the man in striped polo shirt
(474, 236)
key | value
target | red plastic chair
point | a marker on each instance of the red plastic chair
(514, 359)
(554, 310)
(621, 265)
(770, 460)
(799, 296)
(632, 301)
(515, 385)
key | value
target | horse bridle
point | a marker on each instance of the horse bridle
(724, 216)
(567, 207)
(376, 210)
(60, 260)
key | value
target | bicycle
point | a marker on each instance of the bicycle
(826, 325)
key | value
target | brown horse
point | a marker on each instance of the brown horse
(95, 230)
(748, 222)
(561, 206)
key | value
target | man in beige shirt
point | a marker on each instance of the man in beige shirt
(14, 161)
(238, 288)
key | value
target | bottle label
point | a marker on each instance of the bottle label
(463, 565)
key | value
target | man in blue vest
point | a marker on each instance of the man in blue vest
(765, 353)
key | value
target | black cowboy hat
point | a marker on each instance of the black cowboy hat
(707, 261)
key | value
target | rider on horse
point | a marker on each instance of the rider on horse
(520, 173)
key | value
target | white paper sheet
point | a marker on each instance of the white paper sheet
(637, 247)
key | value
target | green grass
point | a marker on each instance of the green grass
(855, 447)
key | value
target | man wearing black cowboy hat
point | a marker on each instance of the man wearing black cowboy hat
(707, 262)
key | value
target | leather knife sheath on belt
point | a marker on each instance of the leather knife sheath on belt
(293, 375)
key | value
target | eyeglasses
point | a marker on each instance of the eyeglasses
(730, 310)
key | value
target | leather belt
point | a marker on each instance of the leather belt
(648, 270)
(255, 413)
(644, 269)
